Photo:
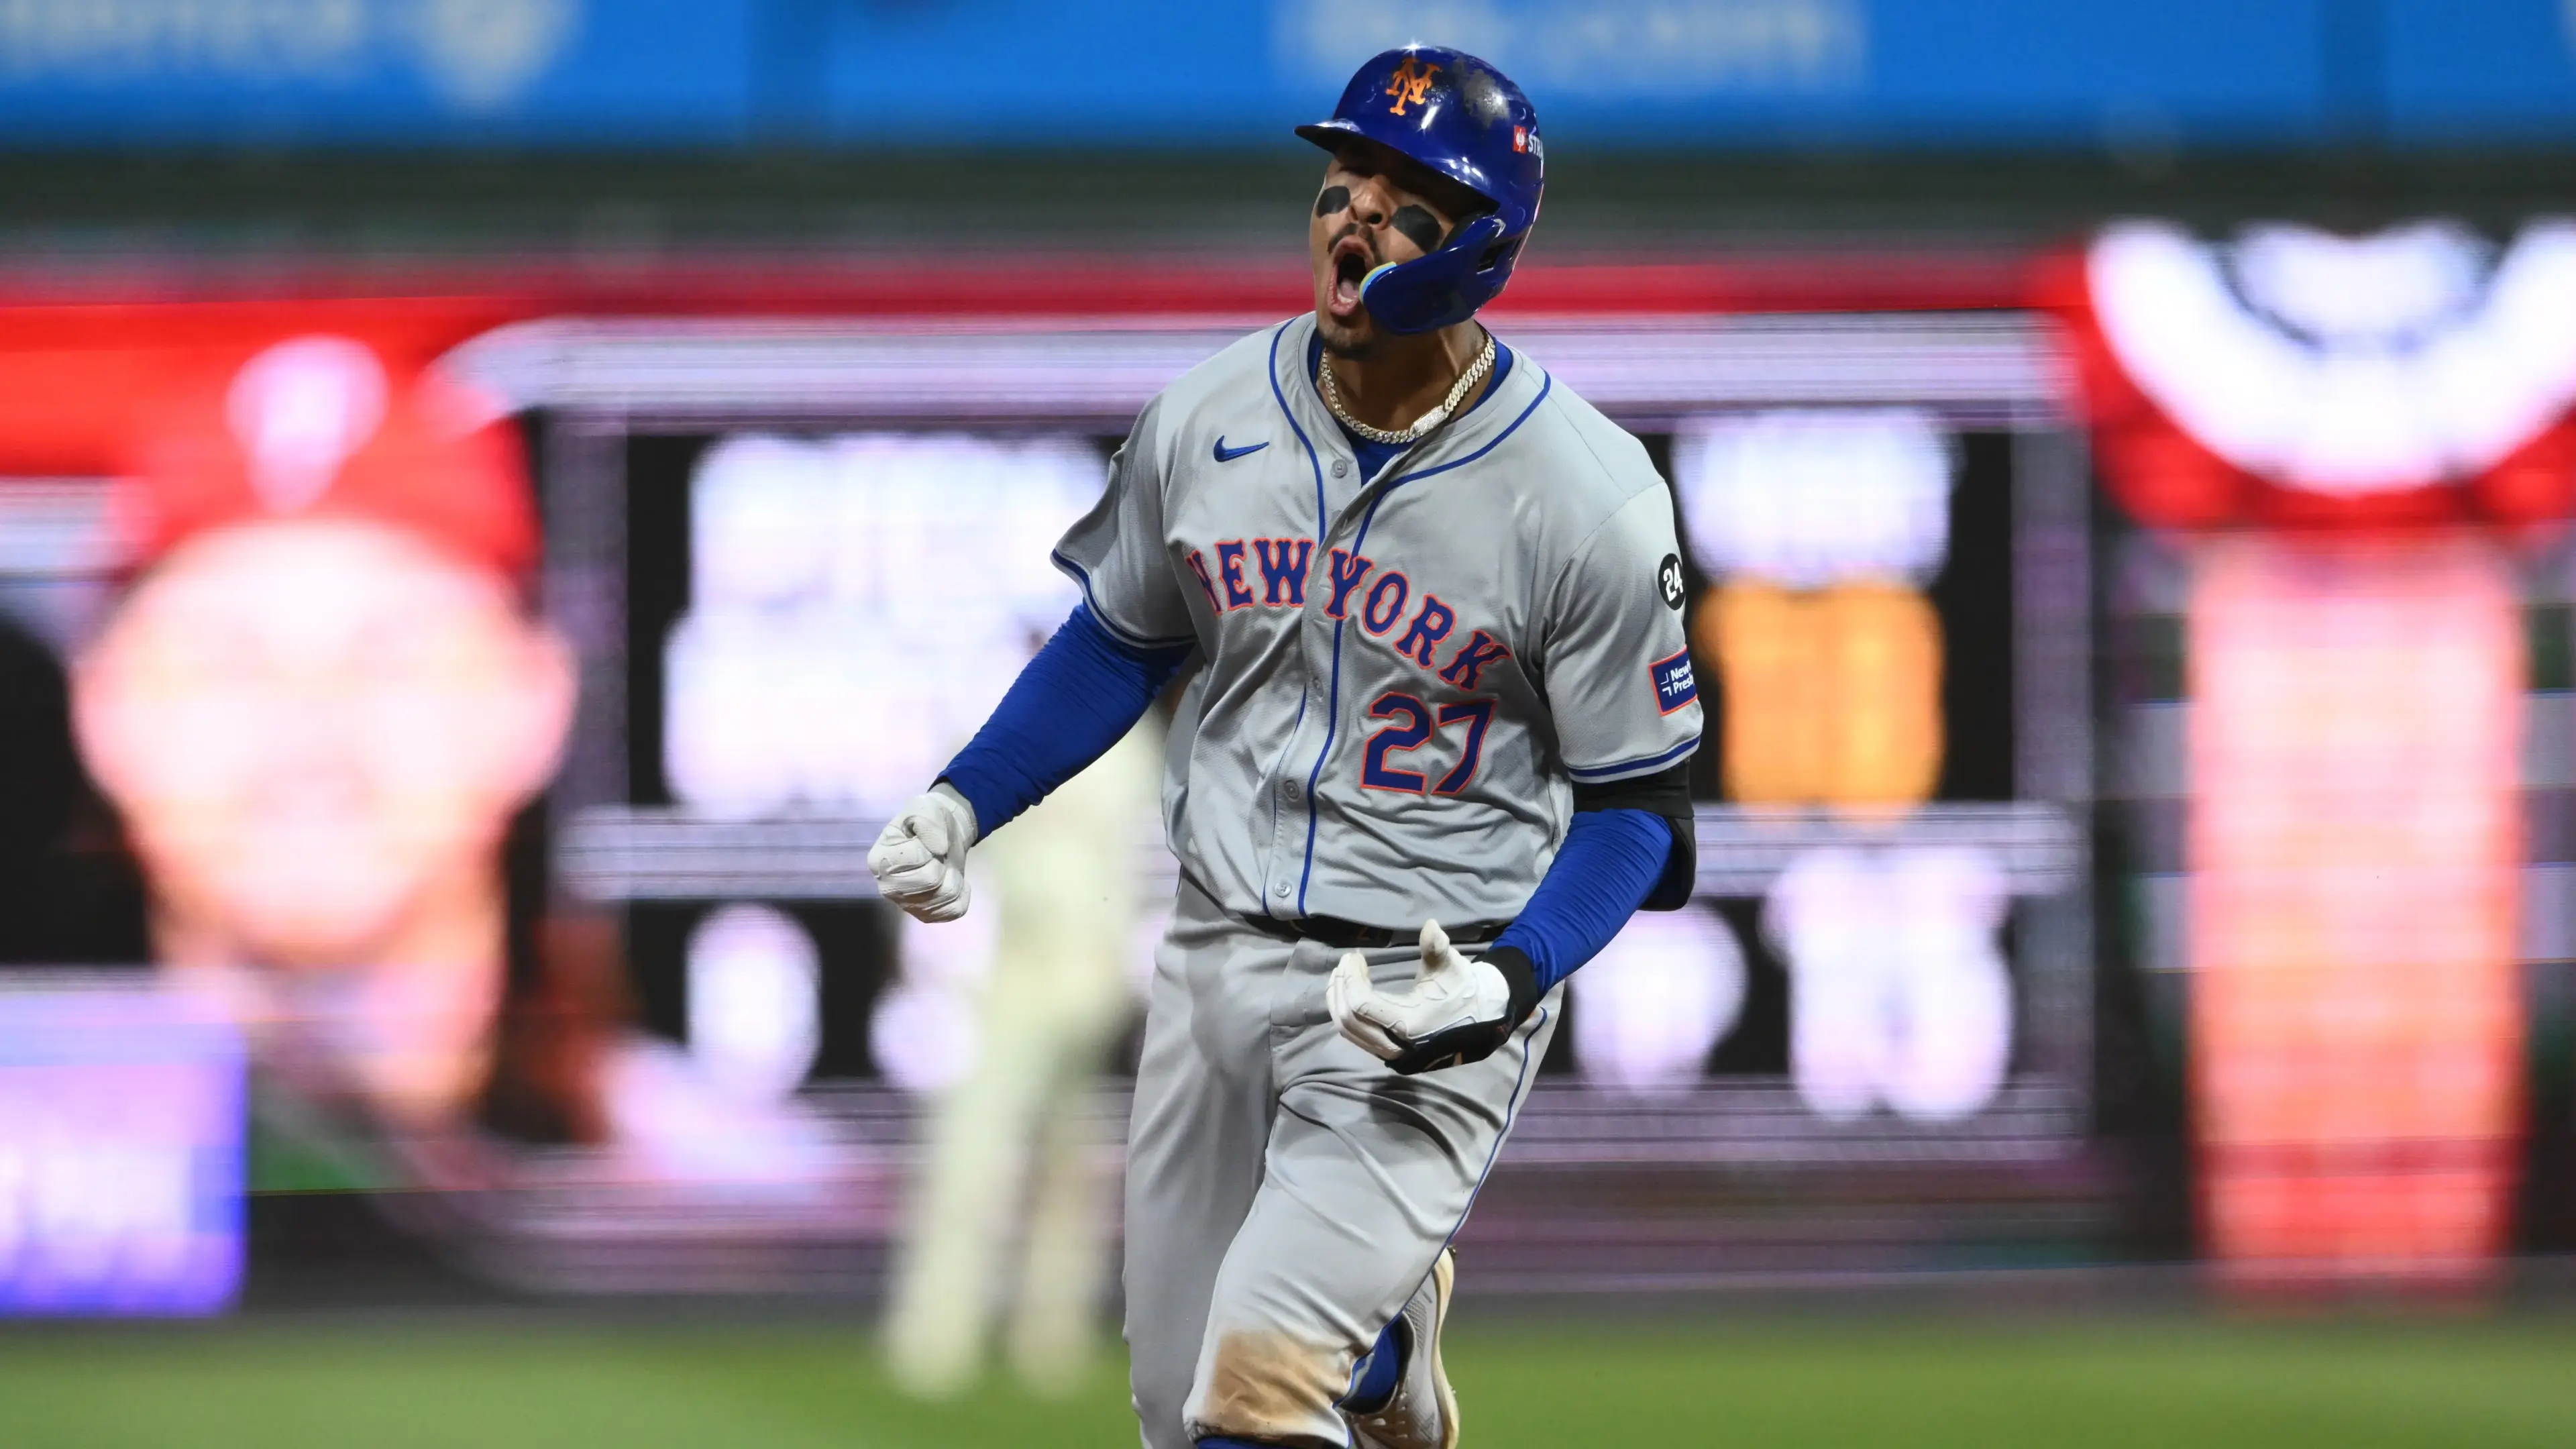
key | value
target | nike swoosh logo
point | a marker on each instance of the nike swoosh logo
(1225, 454)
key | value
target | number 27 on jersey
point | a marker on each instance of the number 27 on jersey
(1414, 723)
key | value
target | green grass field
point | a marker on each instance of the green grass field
(1801, 1380)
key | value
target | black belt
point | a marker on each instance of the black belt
(1344, 935)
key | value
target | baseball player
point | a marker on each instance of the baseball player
(1430, 761)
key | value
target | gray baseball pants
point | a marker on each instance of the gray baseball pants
(1286, 1192)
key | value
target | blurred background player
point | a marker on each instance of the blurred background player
(1017, 1143)
(856, 604)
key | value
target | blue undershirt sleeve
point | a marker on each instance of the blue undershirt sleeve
(1082, 693)
(1610, 862)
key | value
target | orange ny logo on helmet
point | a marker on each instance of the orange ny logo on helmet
(1409, 83)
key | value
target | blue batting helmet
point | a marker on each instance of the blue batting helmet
(1467, 121)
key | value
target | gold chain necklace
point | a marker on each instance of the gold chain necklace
(1466, 383)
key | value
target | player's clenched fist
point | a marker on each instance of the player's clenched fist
(1457, 1010)
(919, 859)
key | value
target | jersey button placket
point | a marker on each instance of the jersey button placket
(1316, 651)
(1288, 825)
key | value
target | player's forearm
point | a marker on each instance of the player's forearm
(1082, 693)
(1609, 864)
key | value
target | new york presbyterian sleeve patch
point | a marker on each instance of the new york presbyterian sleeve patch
(1674, 684)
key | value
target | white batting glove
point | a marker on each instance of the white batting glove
(919, 859)
(1458, 1010)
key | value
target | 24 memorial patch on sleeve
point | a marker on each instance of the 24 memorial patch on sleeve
(1674, 684)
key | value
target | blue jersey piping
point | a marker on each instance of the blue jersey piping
(1595, 772)
(1123, 634)
(1306, 875)
(1322, 526)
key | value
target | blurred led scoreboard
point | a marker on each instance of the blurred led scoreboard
(802, 560)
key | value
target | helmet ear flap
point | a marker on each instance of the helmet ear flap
(1446, 287)
(1482, 239)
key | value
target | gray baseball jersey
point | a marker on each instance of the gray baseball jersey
(1404, 677)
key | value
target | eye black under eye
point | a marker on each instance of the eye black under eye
(1333, 199)
(1419, 226)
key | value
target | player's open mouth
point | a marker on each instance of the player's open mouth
(1350, 268)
